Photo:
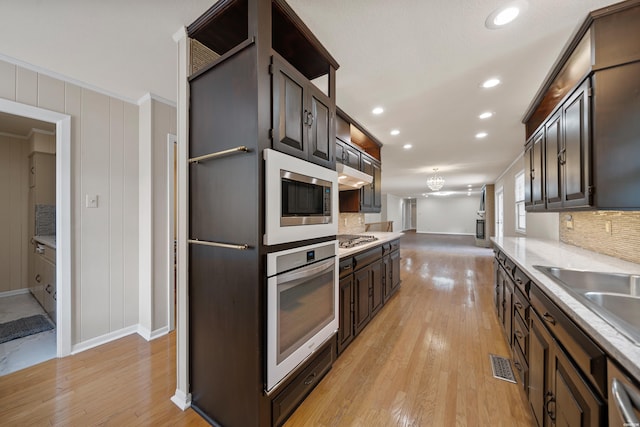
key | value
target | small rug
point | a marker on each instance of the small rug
(24, 327)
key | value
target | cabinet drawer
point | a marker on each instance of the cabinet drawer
(346, 267)
(367, 257)
(521, 305)
(522, 368)
(49, 254)
(585, 353)
(292, 395)
(520, 334)
(522, 281)
(509, 266)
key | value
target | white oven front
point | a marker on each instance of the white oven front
(302, 305)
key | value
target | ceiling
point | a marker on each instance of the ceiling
(422, 61)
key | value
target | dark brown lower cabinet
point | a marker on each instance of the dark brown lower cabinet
(345, 325)
(562, 370)
(367, 280)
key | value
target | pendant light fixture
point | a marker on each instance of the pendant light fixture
(435, 182)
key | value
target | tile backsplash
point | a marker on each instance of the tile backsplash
(351, 223)
(45, 220)
(613, 233)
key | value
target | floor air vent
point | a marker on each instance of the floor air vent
(501, 368)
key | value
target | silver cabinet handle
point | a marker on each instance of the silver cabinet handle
(625, 400)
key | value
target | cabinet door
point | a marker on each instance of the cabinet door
(387, 276)
(345, 321)
(528, 154)
(573, 403)
(366, 192)
(339, 151)
(351, 157)
(49, 288)
(395, 270)
(553, 175)
(377, 190)
(39, 280)
(290, 115)
(539, 359)
(537, 172)
(361, 308)
(508, 309)
(320, 123)
(576, 151)
(377, 289)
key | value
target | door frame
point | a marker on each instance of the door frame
(499, 213)
(172, 141)
(63, 213)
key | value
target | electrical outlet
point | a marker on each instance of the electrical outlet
(607, 227)
(91, 201)
(570, 224)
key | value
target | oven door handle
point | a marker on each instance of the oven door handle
(305, 273)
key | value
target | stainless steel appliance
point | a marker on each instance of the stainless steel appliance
(624, 398)
(302, 301)
(301, 199)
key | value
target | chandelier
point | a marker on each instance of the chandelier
(435, 182)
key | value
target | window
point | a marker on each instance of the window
(521, 214)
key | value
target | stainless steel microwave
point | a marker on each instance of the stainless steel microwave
(301, 199)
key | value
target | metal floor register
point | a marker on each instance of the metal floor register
(501, 368)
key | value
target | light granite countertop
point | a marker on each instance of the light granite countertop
(526, 253)
(46, 240)
(382, 236)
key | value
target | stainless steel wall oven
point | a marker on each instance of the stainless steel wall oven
(302, 301)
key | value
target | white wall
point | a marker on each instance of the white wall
(104, 158)
(156, 121)
(447, 215)
(392, 210)
(14, 191)
(541, 225)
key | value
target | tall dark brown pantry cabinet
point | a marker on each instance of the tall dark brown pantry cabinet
(251, 91)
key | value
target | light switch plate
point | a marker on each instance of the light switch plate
(92, 201)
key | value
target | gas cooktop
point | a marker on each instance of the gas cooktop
(346, 241)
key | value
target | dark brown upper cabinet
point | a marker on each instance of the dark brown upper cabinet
(357, 148)
(534, 179)
(302, 116)
(586, 111)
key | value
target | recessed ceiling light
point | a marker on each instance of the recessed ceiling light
(395, 132)
(407, 146)
(377, 110)
(468, 194)
(485, 115)
(469, 185)
(481, 135)
(492, 82)
(505, 14)
(342, 177)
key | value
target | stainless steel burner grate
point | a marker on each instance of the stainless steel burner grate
(501, 368)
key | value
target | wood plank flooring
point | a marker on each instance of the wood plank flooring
(423, 361)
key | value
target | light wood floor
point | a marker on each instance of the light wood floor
(423, 361)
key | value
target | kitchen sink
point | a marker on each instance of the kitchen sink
(612, 296)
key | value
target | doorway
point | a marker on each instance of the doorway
(61, 257)
(500, 213)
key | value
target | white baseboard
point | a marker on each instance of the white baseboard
(103, 339)
(152, 335)
(14, 293)
(446, 233)
(182, 400)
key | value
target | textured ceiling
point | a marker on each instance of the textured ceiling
(423, 61)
